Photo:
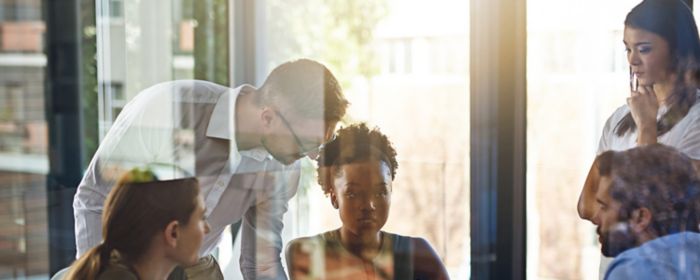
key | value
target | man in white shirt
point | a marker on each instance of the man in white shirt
(242, 145)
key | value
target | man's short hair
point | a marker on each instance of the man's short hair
(354, 144)
(656, 177)
(306, 88)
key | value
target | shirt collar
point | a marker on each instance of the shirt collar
(221, 126)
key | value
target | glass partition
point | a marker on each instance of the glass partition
(406, 76)
(23, 141)
(577, 75)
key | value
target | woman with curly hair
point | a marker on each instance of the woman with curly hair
(356, 171)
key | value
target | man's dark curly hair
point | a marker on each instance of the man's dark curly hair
(658, 178)
(353, 144)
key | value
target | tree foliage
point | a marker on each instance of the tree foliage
(336, 32)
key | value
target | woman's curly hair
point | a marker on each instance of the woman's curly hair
(356, 143)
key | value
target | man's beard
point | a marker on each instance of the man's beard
(617, 240)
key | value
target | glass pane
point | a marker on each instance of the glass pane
(408, 77)
(136, 50)
(376, 50)
(577, 76)
(23, 141)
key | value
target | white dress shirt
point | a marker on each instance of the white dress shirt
(185, 128)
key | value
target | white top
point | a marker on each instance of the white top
(247, 185)
(684, 136)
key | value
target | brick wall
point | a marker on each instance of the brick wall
(21, 36)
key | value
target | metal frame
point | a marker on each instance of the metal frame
(243, 42)
(498, 104)
(64, 117)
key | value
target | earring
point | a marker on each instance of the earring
(334, 202)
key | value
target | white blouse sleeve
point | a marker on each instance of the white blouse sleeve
(604, 143)
(608, 139)
(689, 143)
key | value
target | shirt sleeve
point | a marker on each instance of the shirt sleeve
(690, 141)
(428, 264)
(605, 137)
(298, 260)
(639, 268)
(261, 243)
(604, 144)
(141, 135)
(87, 212)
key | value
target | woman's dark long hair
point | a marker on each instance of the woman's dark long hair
(673, 21)
(136, 209)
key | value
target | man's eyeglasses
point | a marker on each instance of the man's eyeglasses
(302, 150)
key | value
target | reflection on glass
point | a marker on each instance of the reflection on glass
(388, 63)
(357, 171)
(410, 78)
(577, 75)
(23, 141)
(133, 52)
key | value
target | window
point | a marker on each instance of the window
(384, 60)
(577, 76)
(23, 142)
(113, 100)
(116, 9)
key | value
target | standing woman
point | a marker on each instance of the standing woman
(663, 50)
(148, 227)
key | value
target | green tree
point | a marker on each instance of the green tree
(337, 32)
